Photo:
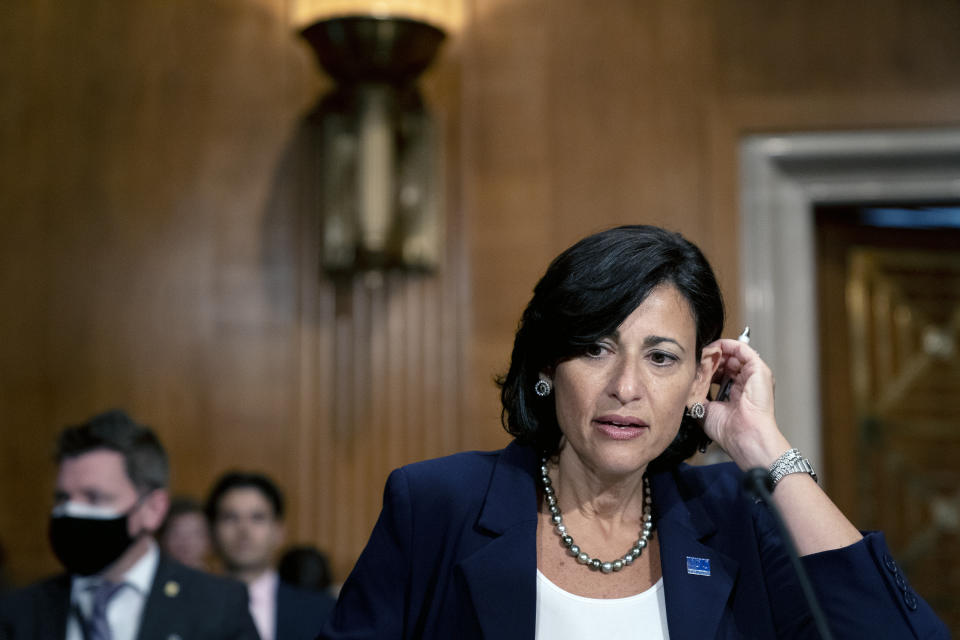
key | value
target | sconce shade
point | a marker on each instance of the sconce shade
(378, 171)
(366, 49)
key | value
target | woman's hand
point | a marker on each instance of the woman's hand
(744, 425)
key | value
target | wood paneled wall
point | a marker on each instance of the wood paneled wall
(158, 249)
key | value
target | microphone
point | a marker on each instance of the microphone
(759, 485)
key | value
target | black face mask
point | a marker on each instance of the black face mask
(86, 545)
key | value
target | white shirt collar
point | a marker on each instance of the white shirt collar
(140, 575)
(263, 603)
(264, 588)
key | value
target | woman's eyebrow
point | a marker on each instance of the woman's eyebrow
(650, 341)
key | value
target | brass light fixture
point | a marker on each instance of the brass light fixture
(380, 191)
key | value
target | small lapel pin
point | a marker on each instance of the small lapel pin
(698, 566)
(171, 589)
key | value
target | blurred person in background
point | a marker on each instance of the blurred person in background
(110, 498)
(246, 515)
(185, 534)
(305, 566)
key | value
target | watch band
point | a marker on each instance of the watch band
(789, 462)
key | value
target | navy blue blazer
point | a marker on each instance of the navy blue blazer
(453, 555)
(301, 612)
(183, 603)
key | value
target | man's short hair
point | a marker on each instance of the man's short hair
(244, 480)
(143, 455)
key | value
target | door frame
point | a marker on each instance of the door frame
(782, 178)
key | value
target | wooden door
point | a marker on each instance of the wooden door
(889, 312)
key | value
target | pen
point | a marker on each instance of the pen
(728, 381)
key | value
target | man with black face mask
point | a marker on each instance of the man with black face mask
(111, 495)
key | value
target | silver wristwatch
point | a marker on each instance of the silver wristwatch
(790, 462)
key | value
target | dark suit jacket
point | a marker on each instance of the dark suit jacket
(183, 603)
(300, 612)
(453, 555)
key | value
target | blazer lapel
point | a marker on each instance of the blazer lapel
(697, 579)
(501, 576)
(282, 628)
(162, 612)
(55, 608)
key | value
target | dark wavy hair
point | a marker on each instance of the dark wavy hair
(586, 293)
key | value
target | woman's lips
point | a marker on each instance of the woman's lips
(620, 427)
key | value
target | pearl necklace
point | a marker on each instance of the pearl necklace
(550, 497)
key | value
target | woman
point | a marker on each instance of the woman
(185, 534)
(588, 524)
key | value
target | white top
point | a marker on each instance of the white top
(562, 615)
(125, 608)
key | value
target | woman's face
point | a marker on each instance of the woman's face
(620, 404)
(187, 539)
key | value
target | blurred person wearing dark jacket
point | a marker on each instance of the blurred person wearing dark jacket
(246, 512)
(111, 496)
(305, 566)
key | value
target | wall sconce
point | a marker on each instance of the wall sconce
(379, 183)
